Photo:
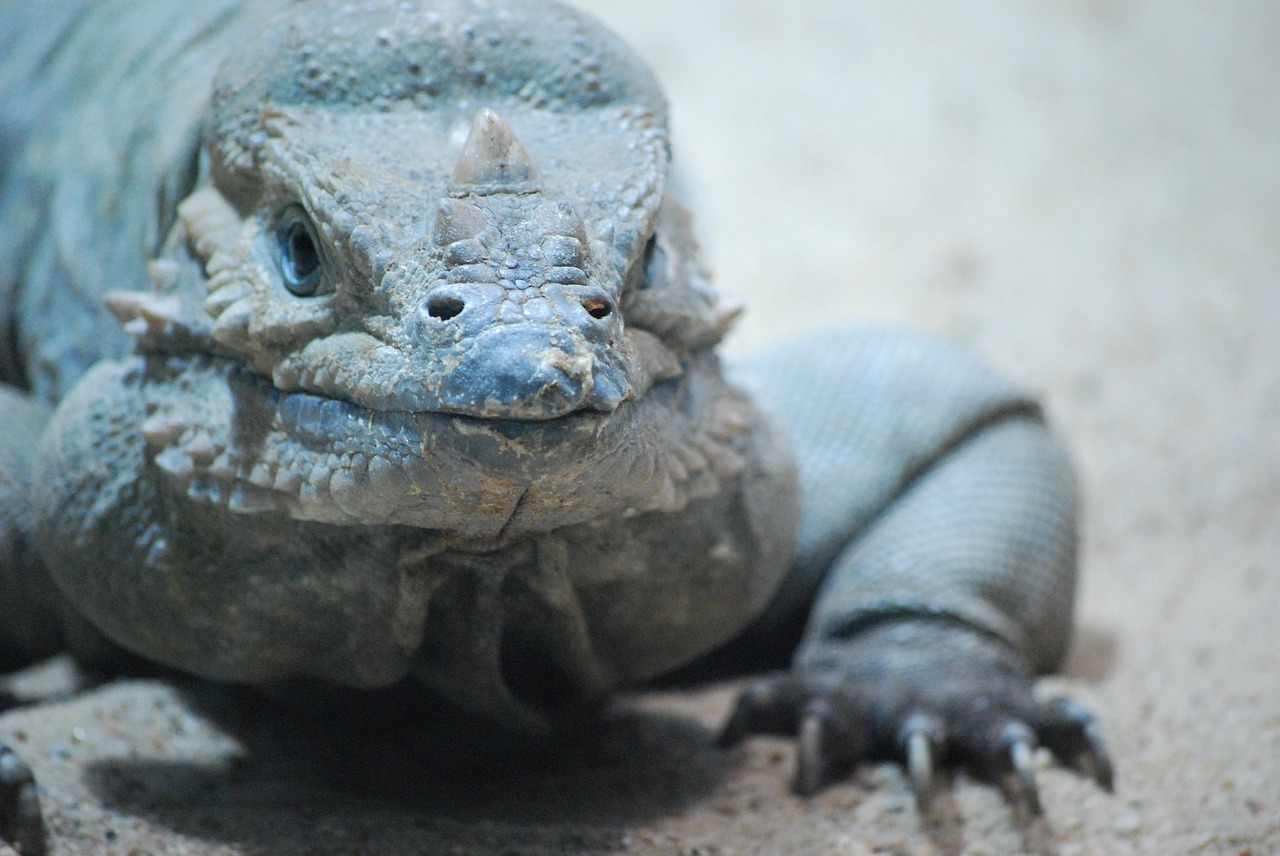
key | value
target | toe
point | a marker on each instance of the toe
(1021, 742)
(811, 752)
(922, 738)
(1071, 733)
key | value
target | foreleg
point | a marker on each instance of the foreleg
(955, 582)
(28, 625)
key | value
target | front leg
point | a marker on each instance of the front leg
(954, 584)
(28, 606)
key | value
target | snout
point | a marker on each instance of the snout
(526, 371)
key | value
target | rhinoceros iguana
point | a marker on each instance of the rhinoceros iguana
(419, 387)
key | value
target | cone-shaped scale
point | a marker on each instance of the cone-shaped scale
(493, 159)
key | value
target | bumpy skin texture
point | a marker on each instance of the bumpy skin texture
(420, 387)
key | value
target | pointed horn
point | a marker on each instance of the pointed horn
(493, 159)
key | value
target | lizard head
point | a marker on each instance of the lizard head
(453, 210)
(433, 277)
(431, 253)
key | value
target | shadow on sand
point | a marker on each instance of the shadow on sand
(342, 781)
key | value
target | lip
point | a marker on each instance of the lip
(317, 420)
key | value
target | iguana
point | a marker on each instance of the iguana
(420, 388)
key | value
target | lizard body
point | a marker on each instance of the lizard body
(420, 385)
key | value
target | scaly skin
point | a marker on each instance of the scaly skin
(424, 388)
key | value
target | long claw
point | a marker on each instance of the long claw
(810, 762)
(921, 736)
(1071, 731)
(737, 726)
(21, 823)
(1022, 755)
(1098, 757)
(920, 768)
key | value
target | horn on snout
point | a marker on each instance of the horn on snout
(493, 160)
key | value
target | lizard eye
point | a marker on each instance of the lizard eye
(642, 274)
(299, 253)
(650, 251)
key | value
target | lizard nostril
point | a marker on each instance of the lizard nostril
(597, 307)
(445, 307)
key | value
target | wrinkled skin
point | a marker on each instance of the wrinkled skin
(422, 387)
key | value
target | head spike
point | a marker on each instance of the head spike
(493, 160)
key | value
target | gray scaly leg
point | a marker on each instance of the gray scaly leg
(28, 620)
(938, 549)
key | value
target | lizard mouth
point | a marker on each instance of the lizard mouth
(508, 373)
(344, 463)
(319, 420)
(520, 449)
(318, 458)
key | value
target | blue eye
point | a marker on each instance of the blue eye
(300, 263)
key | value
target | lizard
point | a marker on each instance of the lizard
(364, 345)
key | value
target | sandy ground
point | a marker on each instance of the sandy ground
(1088, 192)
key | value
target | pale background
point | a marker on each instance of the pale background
(1086, 191)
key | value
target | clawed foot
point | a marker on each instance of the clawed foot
(21, 823)
(922, 694)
